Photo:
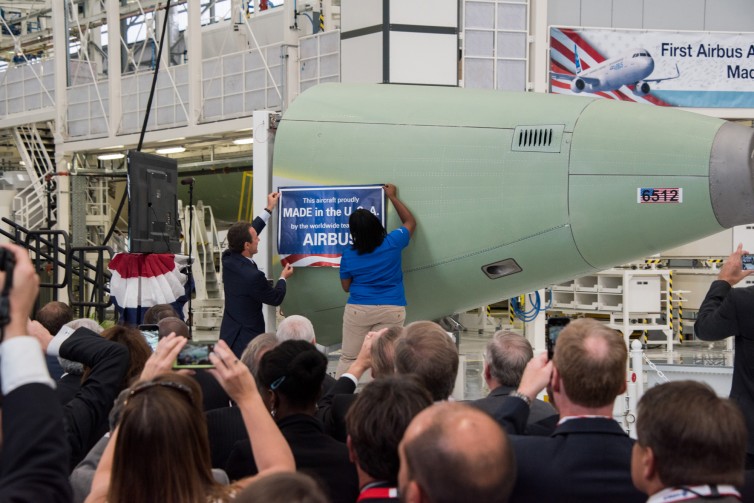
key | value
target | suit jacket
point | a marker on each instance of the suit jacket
(542, 416)
(67, 387)
(585, 460)
(333, 407)
(726, 312)
(225, 427)
(315, 453)
(86, 414)
(246, 289)
(213, 394)
(34, 460)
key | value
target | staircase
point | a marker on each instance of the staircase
(35, 207)
(206, 269)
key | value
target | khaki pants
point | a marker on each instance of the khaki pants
(358, 321)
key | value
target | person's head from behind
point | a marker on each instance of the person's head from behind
(256, 349)
(155, 313)
(505, 359)
(172, 324)
(162, 426)
(589, 365)
(452, 452)
(69, 366)
(377, 420)
(239, 234)
(686, 436)
(138, 350)
(383, 353)
(296, 328)
(54, 315)
(283, 488)
(292, 375)
(427, 351)
(367, 231)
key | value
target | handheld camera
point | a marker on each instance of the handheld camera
(194, 356)
(747, 262)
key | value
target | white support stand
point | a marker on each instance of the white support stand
(535, 330)
(264, 140)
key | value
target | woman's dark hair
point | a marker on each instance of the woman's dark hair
(283, 488)
(162, 425)
(294, 369)
(366, 230)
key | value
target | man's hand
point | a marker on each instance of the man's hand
(732, 270)
(23, 292)
(363, 360)
(232, 374)
(536, 376)
(287, 271)
(391, 190)
(272, 200)
(39, 332)
(161, 361)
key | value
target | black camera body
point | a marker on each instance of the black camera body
(7, 263)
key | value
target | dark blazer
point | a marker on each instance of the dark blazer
(246, 289)
(67, 387)
(726, 312)
(585, 460)
(86, 414)
(542, 416)
(213, 394)
(34, 460)
(225, 427)
(333, 407)
(315, 453)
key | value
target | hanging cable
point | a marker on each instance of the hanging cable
(536, 307)
(146, 119)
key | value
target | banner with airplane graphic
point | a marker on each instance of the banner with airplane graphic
(678, 69)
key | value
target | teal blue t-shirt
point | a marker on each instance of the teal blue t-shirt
(377, 277)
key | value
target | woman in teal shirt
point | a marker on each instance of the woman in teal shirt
(371, 272)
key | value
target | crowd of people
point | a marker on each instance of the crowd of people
(95, 415)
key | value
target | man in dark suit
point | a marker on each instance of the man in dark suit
(34, 461)
(725, 312)
(588, 457)
(505, 359)
(690, 445)
(246, 287)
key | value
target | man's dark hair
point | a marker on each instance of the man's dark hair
(54, 315)
(507, 356)
(154, 314)
(172, 324)
(366, 230)
(238, 234)
(428, 352)
(591, 360)
(697, 437)
(295, 369)
(377, 420)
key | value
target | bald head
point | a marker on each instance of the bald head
(171, 324)
(454, 452)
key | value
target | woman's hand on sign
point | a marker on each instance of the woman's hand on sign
(287, 271)
(390, 190)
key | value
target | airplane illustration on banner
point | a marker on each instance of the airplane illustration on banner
(631, 69)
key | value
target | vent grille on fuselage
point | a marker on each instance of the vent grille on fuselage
(537, 138)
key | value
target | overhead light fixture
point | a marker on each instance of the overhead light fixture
(110, 157)
(171, 139)
(21, 163)
(170, 150)
(243, 141)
